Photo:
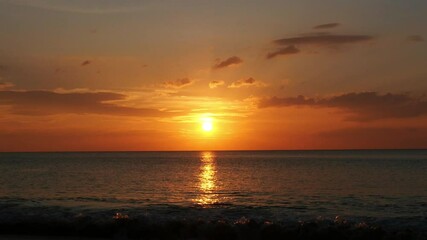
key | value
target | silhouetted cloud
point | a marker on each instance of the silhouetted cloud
(324, 40)
(84, 63)
(246, 83)
(283, 51)
(362, 106)
(48, 103)
(415, 38)
(216, 83)
(178, 83)
(234, 60)
(326, 26)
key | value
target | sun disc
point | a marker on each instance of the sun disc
(207, 126)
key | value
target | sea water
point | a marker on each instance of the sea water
(385, 188)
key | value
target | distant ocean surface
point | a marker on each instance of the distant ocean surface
(87, 193)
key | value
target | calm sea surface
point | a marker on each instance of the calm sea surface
(274, 185)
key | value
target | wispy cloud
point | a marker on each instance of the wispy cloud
(289, 50)
(248, 82)
(326, 26)
(293, 45)
(324, 39)
(362, 106)
(178, 83)
(35, 103)
(234, 60)
(216, 83)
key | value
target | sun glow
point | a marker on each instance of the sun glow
(207, 124)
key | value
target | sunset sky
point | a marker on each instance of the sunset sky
(106, 75)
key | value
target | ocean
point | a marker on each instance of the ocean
(216, 194)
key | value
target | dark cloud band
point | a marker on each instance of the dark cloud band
(362, 106)
(326, 26)
(35, 103)
(324, 39)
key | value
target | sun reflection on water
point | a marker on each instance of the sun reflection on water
(207, 180)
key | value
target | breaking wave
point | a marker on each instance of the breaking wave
(215, 221)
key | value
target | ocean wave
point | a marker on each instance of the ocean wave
(215, 222)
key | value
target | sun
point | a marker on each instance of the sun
(207, 124)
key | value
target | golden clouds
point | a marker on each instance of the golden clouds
(178, 83)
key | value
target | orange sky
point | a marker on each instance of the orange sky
(133, 75)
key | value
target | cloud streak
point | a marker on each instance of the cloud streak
(178, 83)
(216, 83)
(35, 103)
(362, 106)
(324, 40)
(249, 82)
(289, 50)
(293, 45)
(234, 60)
(326, 26)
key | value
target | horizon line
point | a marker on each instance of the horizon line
(236, 150)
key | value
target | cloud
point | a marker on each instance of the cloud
(178, 83)
(362, 106)
(324, 40)
(415, 38)
(292, 45)
(234, 60)
(5, 85)
(84, 63)
(246, 83)
(35, 103)
(326, 26)
(216, 83)
(289, 50)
